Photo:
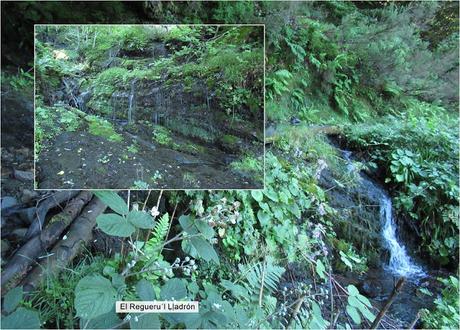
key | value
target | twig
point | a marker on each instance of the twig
(296, 309)
(412, 325)
(388, 303)
(261, 292)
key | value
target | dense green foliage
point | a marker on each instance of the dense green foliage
(419, 151)
(384, 76)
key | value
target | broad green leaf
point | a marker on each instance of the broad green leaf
(352, 290)
(115, 225)
(353, 312)
(257, 195)
(94, 296)
(187, 224)
(320, 269)
(367, 313)
(264, 218)
(204, 228)
(140, 219)
(12, 299)
(145, 321)
(105, 321)
(353, 301)
(204, 249)
(145, 290)
(364, 300)
(278, 213)
(112, 200)
(174, 288)
(21, 318)
(295, 210)
(271, 194)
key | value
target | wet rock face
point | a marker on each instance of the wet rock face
(359, 213)
(17, 119)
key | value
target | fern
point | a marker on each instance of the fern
(261, 279)
(152, 247)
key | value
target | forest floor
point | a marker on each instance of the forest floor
(77, 160)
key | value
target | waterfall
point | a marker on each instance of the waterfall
(400, 262)
(131, 99)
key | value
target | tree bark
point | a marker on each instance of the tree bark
(43, 208)
(79, 234)
(23, 259)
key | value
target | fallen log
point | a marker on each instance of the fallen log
(22, 260)
(47, 204)
(79, 234)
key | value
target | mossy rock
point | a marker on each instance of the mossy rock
(230, 143)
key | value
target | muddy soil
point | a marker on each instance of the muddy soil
(81, 160)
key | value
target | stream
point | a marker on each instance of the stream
(378, 282)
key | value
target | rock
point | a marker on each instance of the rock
(295, 121)
(8, 201)
(19, 232)
(24, 176)
(5, 247)
(28, 195)
(371, 289)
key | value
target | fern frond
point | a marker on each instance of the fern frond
(260, 275)
(159, 233)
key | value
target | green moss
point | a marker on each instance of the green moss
(161, 135)
(229, 139)
(101, 127)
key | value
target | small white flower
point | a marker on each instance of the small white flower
(187, 259)
(64, 238)
(154, 212)
(135, 207)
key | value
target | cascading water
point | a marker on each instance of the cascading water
(130, 100)
(400, 262)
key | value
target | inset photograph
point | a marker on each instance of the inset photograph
(149, 106)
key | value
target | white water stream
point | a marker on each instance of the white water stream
(400, 262)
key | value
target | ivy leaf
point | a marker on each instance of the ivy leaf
(204, 249)
(115, 225)
(21, 318)
(140, 219)
(112, 200)
(12, 299)
(145, 321)
(174, 288)
(94, 296)
(257, 195)
(145, 290)
(353, 312)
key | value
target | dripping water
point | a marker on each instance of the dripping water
(131, 99)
